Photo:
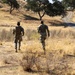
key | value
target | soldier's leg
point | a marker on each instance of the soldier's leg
(43, 44)
(20, 39)
(19, 44)
(16, 44)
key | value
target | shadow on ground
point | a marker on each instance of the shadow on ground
(27, 17)
(58, 23)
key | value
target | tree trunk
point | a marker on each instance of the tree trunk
(41, 16)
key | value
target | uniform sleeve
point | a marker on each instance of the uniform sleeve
(14, 31)
(48, 31)
(22, 29)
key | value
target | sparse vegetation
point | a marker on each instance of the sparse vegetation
(60, 46)
(32, 34)
(50, 64)
(6, 35)
(55, 33)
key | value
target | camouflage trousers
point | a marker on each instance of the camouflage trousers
(18, 38)
(42, 39)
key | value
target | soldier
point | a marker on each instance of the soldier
(44, 32)
(18, 32)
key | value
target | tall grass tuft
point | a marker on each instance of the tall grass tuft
(6, 35)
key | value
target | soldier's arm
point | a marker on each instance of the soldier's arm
(48, 32)
(14, 31)
(38, 29)
(22, 31)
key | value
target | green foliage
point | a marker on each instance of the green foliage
(69, 3)
(37, 6)
(45, 7)
(55, 9)
(13, 3)
(4, 1)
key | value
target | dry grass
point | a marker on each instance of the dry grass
(60, 52)
(60, 46)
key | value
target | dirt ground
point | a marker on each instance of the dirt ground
(60, 53)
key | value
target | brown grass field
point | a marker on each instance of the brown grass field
(60, 46)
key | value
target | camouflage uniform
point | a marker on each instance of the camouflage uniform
(19, 32)
(44, 32)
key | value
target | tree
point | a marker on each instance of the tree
(69, 4)
(37, 6)
(45, 7)
(55, 9)
(13, 4)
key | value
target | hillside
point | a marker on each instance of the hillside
(60, 46)
(22, 15)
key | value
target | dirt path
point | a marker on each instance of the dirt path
(68, 18)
